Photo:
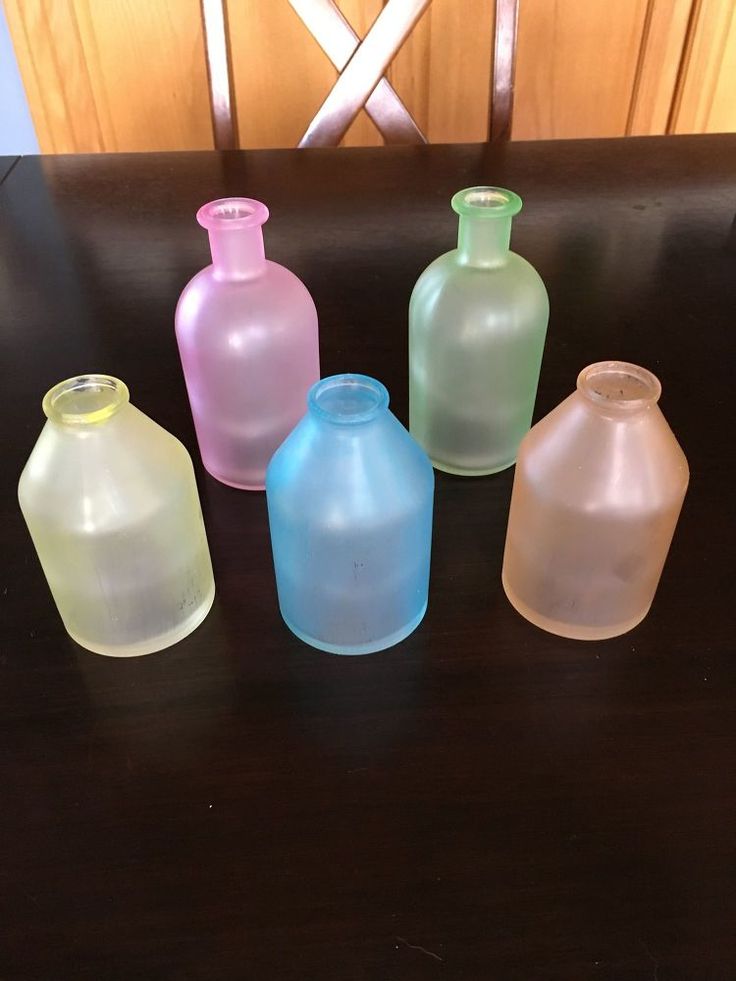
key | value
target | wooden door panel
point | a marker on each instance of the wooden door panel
(113, 75)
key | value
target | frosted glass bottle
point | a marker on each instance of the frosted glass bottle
(477, 323)
(350, 508)
(597, 493)
(111, 503)
(247, 334)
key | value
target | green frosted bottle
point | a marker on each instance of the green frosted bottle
(477, 322)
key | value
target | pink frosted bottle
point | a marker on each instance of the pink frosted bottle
(247, 334)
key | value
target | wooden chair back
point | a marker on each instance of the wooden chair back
(361, 64)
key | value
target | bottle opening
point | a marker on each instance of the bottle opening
(232, 213)
(619, 384)
(85, 400)
(348, 399)
(486, 202)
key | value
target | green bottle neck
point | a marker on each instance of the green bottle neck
(484, 241)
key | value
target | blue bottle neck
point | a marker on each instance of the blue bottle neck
(348, 400)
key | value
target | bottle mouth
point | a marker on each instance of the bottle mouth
(347, 400)
(232, 213)
(619, 385)
(486, 202)
(85, 400)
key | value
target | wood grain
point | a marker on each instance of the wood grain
(576, 66)
(361, 14)
(706, 96)
(282, 76)
(56, 74)
(280, 73)
(118, 75)
(660, 57)
(131, 75)
(443, 71)
(411, 70)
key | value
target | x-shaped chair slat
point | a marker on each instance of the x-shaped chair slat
(361, 65)
(339, 41)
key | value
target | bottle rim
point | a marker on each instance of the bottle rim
(619, 385)
(348, 399)
(232, 214)
(486, 202)
(85, 400)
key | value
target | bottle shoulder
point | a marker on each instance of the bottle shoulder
(449, 266)
(277, 293)
(611, 463)
(326, 468)
(104, 478)
(446, 277)
(455, 301)
(273, 277)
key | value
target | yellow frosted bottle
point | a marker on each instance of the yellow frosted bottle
(111, 503)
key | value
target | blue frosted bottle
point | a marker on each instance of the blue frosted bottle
(350, 508)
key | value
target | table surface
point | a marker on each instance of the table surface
(484, 800)
(6, 165)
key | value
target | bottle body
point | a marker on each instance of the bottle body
(598, 489)
(350, 498)
(248, 340)
(113, 511)
(477, 325)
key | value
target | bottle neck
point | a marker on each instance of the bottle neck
(237, 253)
(81, 404)
(618, 388)
(347, 400)
(483, 241)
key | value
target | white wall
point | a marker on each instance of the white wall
(17, 134)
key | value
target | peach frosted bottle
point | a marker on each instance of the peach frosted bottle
(598, 489)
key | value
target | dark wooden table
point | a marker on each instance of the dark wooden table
(485, 801)
(6, 165)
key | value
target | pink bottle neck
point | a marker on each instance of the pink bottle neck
(237, 253)
(234, 226)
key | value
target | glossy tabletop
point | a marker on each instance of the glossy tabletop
(6, 165)
(484, 801)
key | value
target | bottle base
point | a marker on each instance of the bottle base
(358, 649)
(569, 630)
(459, 472)
(232, 483)
(159, 643)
